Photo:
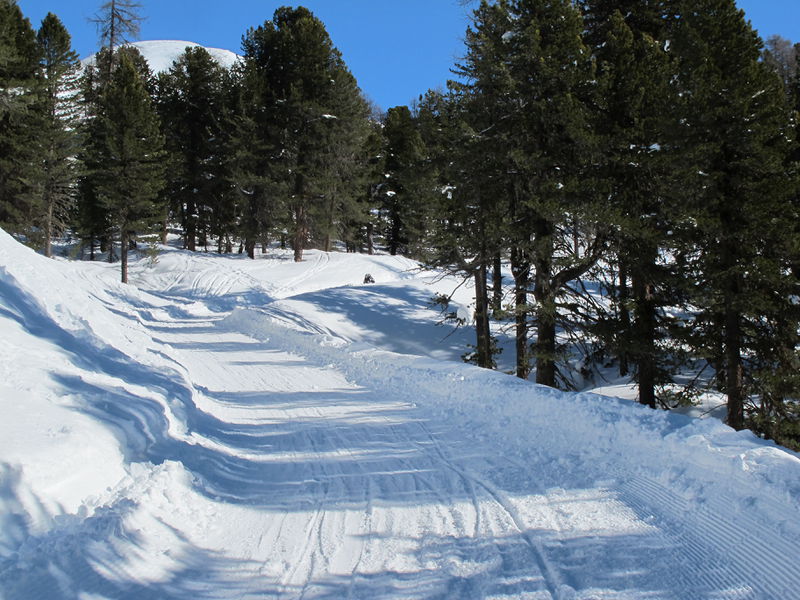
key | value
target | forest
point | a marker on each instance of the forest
(617, 180)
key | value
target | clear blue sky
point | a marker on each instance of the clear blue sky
(397, 49)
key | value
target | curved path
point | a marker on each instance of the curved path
(271, 463)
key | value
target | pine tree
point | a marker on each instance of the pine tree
(347, 130)
(636, 115)
(59, 143)
(19, 119)
(126, 155)
(295, 84)
(118, 22)
(191, 105)
(552, 73)
(737, 130)
(404, 151)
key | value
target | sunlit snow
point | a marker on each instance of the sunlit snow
(248, 429)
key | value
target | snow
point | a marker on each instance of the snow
(228, 428)
(160, 54)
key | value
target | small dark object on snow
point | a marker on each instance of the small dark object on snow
(368, 278)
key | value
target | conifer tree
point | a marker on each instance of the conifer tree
(404, 154)
(552, 73)
(126, 155)
(295, 83)
(118, 22)
(59, 142)
(191, 105)
(19, 119)
(737, 130)
(636, 115)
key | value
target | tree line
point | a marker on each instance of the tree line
(617, 179)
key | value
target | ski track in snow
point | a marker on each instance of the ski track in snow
(267, 462)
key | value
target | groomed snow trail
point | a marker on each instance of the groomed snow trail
(274, 462)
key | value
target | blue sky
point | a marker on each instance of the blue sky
(397, 49)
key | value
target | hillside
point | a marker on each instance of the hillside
(227, 428)
(160, 54)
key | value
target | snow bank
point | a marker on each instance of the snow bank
(68, 344)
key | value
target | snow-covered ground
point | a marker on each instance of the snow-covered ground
(225, 428)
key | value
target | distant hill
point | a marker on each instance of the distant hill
(160, 54)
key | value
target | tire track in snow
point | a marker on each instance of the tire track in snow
(288, 289)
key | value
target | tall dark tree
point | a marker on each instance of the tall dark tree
(736, 127)
(638, 174)
(126, 156)
(553, 78)
(302, 104)
(59, 143)
(118, 22)
(191, 105)
(19, 119)
(404, 152)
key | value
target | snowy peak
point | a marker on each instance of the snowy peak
(160, 54)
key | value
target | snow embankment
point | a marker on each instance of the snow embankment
(67, 337)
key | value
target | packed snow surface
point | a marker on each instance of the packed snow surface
(234, 429)
(160, 54)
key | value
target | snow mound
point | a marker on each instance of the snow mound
(160, 54)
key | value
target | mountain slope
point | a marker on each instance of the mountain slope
(246, 429)
(160, 54)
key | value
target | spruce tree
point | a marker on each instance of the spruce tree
(302, 105)
(404, 152)
(117, 22)
(553, 76)
(636, 113)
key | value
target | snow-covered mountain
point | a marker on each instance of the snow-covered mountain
(227, 428)
(160, 54)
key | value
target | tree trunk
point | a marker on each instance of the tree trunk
(164, 225)
(48, 231)
(520, 270)
(483, 335)
(190, 235)
(370, 240)
(624, 321)
(733, 360)
(299, 232)
(645, 332)
(544, 294)
(497, 284)
(123, 254)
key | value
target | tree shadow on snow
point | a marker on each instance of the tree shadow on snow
(366, 452)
